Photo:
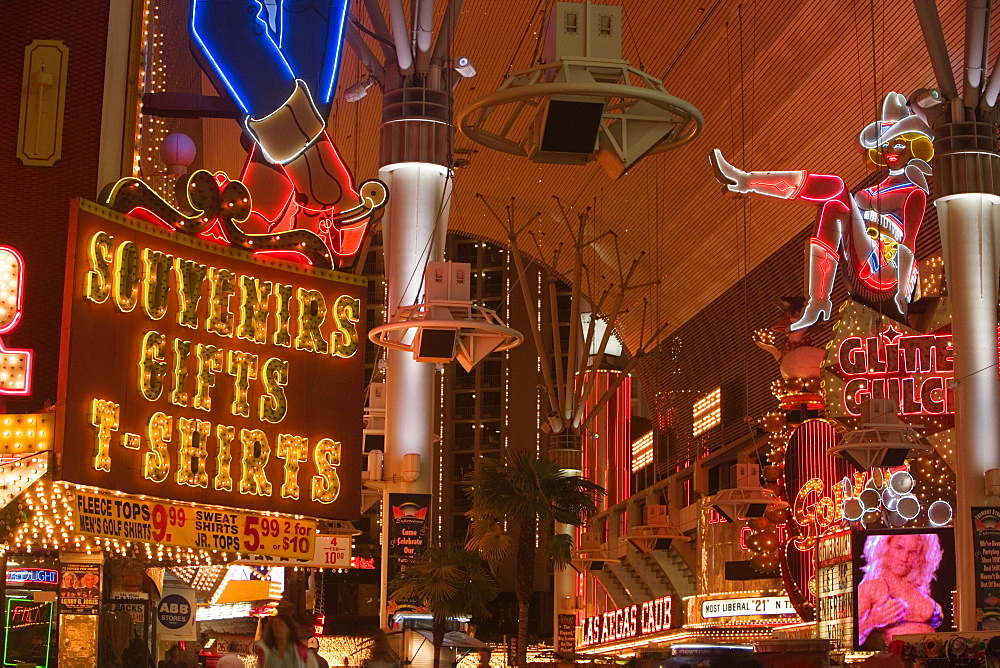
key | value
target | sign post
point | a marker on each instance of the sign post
(175, 615)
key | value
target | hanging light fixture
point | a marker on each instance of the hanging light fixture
(447, 325)
(745, 503)
(593, 553)
(882, 440)
(581, 101)
(748, 500)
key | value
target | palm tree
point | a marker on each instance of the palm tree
(450, 581)
(510, 497)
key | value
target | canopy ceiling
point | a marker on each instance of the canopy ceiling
(782, 85)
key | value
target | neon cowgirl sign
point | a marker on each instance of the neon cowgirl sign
(632, 622)
(912, 370)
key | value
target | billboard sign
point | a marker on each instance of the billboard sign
(195, 372)
(175, 618)
(409, 529)
(80, 589)
(634, 621)
(835, 588)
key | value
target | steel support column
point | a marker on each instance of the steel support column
(966, 166)
(413, 233)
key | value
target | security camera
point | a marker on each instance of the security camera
(465, 67)
(926, 97)
(359, 90)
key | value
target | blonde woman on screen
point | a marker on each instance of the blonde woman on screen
(894, 597)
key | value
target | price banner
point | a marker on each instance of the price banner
(166, 523)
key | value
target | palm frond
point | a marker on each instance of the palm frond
(560, 549)
(450, 580)
(522, 490)
(490, 540)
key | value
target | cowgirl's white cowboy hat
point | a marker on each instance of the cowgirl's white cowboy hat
(896, 120)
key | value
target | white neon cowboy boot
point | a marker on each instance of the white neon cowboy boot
(823, 261)
(784, 185)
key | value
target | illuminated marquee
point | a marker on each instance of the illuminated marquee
(632, 622)
(15, 365)
(747, 607)
(194, 374)
(912, 370)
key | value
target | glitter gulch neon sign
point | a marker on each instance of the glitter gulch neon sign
(913, 370)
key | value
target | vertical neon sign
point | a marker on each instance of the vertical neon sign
(28, 637)
(813, 487)
(15, 364)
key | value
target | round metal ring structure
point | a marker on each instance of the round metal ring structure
(468, 320)
(940, 513)
(381, 335)
(622, 88)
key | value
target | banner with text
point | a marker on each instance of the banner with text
(986, 548)
(409, 526)
(162, 522)
(747, 607)
(331, 552)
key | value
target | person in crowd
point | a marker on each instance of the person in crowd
(381, 655)
(281, 647)
(172, 659)
(313, 645)
(230, 661)
(894, 597)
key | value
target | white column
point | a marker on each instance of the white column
(563, 587)
(564, 580)
(968, 232)
(413, 232)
